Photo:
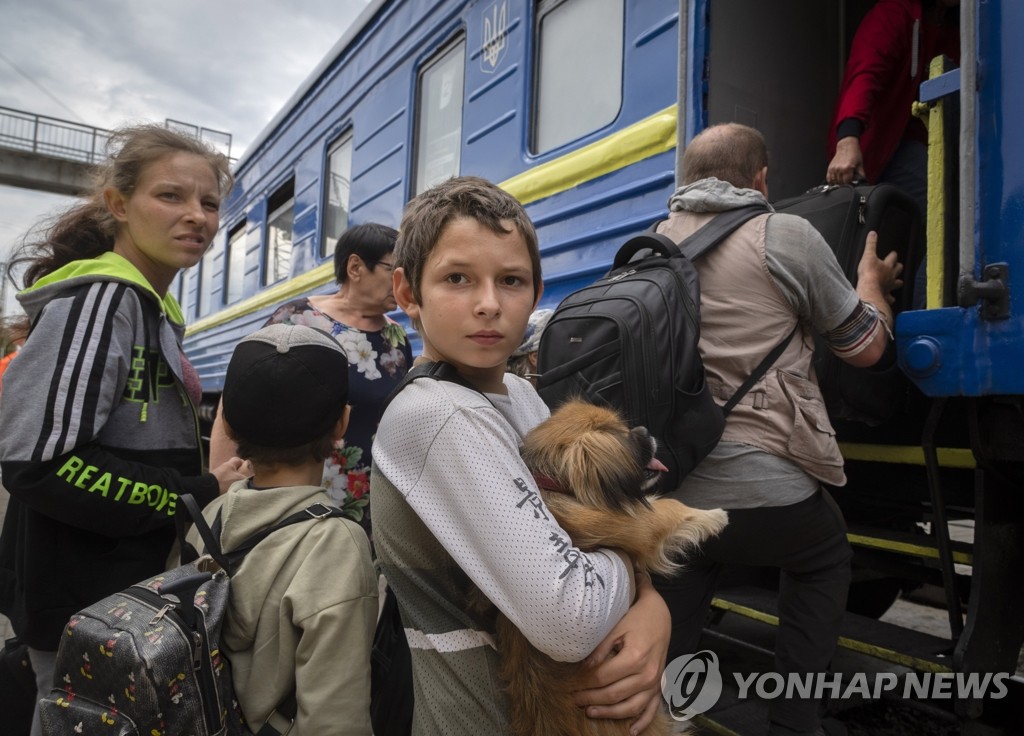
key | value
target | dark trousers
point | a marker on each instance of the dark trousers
(807, 541)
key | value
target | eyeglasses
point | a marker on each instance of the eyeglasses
(388, 266)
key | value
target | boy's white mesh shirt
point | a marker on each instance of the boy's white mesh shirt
(453, 454)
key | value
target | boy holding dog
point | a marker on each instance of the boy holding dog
(457, 511)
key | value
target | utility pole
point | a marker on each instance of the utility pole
(3, 289)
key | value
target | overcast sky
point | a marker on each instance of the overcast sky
(227, 65)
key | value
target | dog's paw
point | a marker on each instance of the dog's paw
(687, 530)
(697, 526)
(716, 520)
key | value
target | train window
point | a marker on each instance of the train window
(205, 282)
(280, 222)
(181, 290)
(336, 193)
(579, 69)
(439, 117)
(234, 278)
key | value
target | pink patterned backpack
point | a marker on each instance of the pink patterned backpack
(147, 662)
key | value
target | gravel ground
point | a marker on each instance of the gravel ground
(929, 619)
(918, 617)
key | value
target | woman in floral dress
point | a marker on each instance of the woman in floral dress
(378, 352)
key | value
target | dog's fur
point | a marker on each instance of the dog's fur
(600, 464)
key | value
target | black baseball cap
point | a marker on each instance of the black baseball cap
(286, 386)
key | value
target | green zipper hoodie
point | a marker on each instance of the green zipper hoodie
(97, 439)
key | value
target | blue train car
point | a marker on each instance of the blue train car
(581, 109)
(417, 92)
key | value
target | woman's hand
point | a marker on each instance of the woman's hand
(624, 672)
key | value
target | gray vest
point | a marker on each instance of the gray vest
(744, 316)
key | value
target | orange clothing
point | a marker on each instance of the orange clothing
(3, 365)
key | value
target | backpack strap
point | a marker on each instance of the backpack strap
(697, 244)
(282, 718)
(188, 511)
(761, 369)
(316, 511)
(703, 240)
(718, 229)
(438, 370)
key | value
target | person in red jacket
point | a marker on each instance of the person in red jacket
(873, 136)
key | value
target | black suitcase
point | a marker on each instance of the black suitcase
(844, 215)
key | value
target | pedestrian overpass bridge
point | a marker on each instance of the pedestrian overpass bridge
(46, 154)
(52, 155)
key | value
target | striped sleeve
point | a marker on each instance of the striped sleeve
(72, 408)
(856, 332)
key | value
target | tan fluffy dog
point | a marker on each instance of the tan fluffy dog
(603, 470)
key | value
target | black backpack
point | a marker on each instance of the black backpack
(629, 341)
(147, 660)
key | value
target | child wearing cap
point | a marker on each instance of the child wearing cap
(523, 361)
(456, 509)
(303, 604)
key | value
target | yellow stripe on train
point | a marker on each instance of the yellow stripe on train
(276, 294)
(907, 548)
(949, 457)
(649, 137)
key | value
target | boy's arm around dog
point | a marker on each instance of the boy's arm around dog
(454, 458)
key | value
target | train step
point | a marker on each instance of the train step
(909, 544)
(867, 636)
(742, 635)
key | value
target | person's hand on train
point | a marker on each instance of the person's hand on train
(878, 277)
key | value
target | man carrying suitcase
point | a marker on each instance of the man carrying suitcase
(873, 136)
(774, 273)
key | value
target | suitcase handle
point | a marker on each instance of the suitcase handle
(826, 187)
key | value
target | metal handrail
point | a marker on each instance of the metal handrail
(25, 131)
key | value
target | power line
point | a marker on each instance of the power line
(43, 89)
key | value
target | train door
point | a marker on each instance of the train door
(775, 66)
